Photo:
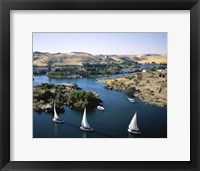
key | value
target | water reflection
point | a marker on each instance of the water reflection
(85, 134)
(56, 129)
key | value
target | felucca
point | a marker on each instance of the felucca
(133, 128)
(85, 126)
(56, 117)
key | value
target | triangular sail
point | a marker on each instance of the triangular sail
(133, 123)
(84, 122)
(55, 113)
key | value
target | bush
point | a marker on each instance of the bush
(130, 91)
(80, 99)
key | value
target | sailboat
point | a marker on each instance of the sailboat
(56, 117)
(85, 126)
(133, 128)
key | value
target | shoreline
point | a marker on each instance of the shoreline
(149, 87)
(45, 95)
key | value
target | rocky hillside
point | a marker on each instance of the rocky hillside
(77, 58)
(150, 86)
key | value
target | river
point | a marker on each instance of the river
(111, 123)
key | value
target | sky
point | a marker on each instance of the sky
(101, 43)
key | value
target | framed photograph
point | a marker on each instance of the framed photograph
(99, 85)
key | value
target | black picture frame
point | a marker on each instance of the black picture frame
(7, 5)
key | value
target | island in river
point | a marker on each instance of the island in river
(45, 95)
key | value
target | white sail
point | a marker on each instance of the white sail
(84, 122)
(133, 124)
(55, 113)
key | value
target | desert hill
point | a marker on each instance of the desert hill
(77, 58)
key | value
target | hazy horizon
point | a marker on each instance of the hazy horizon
(101, 43)
(97, 54)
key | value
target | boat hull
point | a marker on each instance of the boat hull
(134, 131)
(86, 129)
(100, 108)
(131, 100)
(58, 121)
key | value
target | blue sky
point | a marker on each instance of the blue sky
(101, 43)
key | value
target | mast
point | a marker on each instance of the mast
(84, 122)
(133, 123)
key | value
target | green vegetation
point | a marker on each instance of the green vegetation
(64, 71)
(79, 99)
(101, 69)
(86, 70)
(70, 94)
(130, 91)
(57, 74)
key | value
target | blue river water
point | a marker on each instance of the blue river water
(111, 123)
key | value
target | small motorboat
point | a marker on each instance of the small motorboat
(131, 100)
(100, 107)
(56, 118)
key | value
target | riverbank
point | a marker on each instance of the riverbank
(149, 86)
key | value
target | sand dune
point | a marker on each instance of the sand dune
(77, 58)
